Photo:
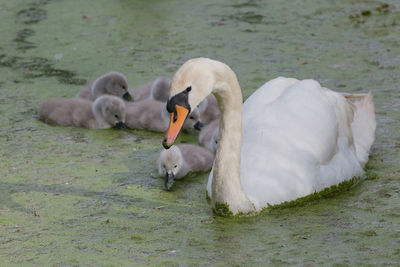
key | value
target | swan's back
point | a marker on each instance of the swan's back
(297, 139)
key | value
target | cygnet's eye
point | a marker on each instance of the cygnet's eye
(123, 87)
(191, 117)
(175, 166)
(116, 116)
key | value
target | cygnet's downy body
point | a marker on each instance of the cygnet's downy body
(179, 160)
(157, 89)
(112, 83)
(153, 115)
(105, 112)
(209, 110)
(208, 137)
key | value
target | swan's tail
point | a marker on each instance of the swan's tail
(363, 125)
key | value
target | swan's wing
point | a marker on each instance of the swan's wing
(286, 141)
(268, 92)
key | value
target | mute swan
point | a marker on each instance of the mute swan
(106, 112)
(112, 83)
(208, 137)
(156, 89)
(179, 160)
(209, 110)
(298, 137)
(152, 115)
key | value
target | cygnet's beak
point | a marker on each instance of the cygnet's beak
(169, 181)
(198, 125)
(120, 125)
(175, 124)
(127, 96)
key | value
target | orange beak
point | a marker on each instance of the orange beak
(175, 124)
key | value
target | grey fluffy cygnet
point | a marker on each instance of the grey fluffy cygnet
(209, 110)
(105, 112)
(153, 115)
(157, 89)
(208, 137)
(112, 83)
(177, 161)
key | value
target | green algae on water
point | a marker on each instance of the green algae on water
(332, 191)
(97, 192)
(222, 209)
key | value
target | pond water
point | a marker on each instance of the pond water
(73, 197)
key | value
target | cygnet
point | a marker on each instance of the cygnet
(208, 137)
(105, 112)
(209, 110)
(177, 161)
(153, 115)
(157, 89)
(112, 83)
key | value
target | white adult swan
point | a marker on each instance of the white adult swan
(298, 137)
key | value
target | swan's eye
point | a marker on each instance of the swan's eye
(175, 166)
(116, 116)
(188, 89)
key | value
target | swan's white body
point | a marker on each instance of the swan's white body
(297, 137)
(297, 140)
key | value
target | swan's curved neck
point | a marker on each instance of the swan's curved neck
(226, 186)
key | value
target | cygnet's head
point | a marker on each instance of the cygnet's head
(193, 120)
(170, 162)
(112, 110)
(203, 105)
(214, 140)
(112, 83)
(160, 89)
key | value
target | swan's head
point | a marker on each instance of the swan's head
(112, 83)
(192, 83)
(112, 110)
(169, 163)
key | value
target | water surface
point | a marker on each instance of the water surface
(73, 197)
